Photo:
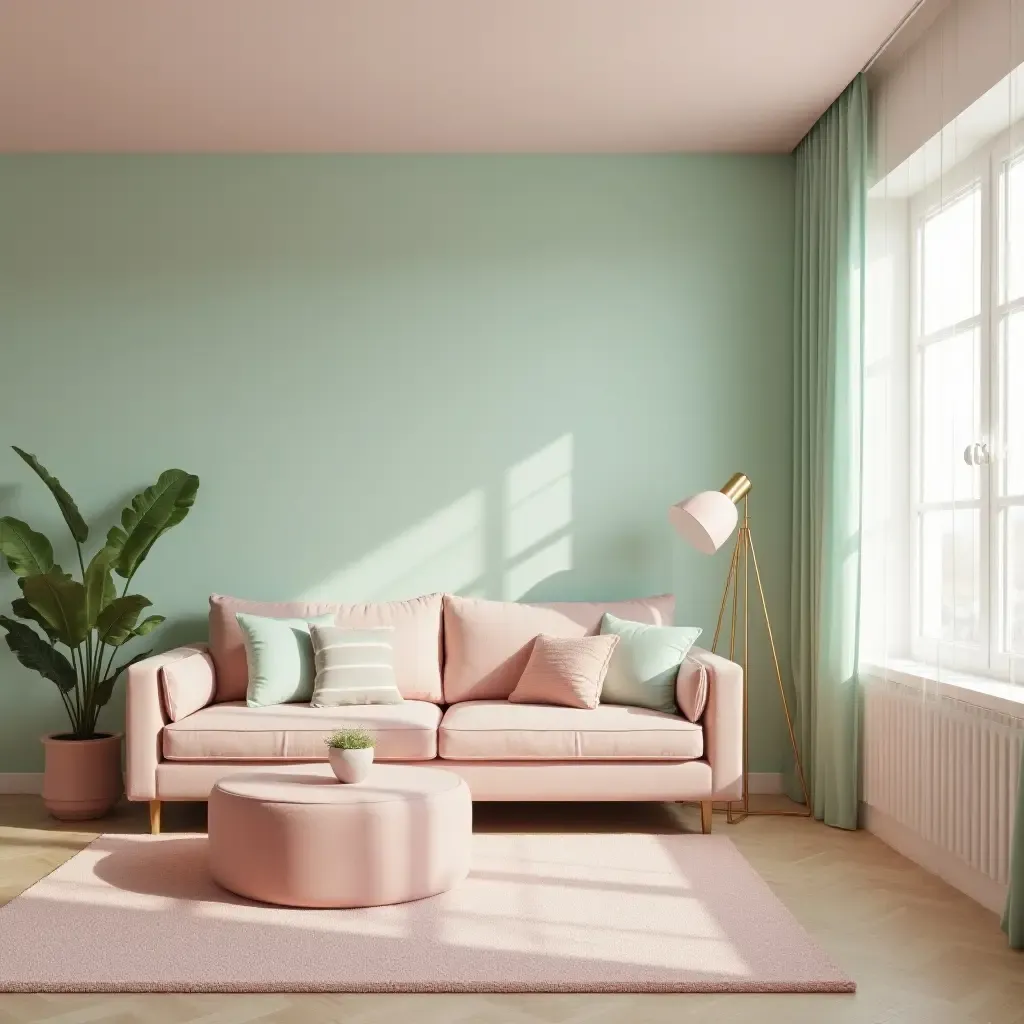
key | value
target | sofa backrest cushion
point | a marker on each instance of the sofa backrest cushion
(488, 643)
(416, 639)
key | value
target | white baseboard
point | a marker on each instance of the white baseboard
(971, 882)
(21, 782)
(765, 782)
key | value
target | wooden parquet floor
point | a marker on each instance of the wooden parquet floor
(921, 953)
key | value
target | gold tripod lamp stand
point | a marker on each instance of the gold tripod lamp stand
(707, 520)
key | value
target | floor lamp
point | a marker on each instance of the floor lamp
(707, 520)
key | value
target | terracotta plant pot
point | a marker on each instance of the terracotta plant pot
(350, 765)
(82, 778)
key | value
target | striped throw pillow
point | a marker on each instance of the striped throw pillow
(353, 666)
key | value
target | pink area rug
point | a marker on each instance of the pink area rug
(539, 913)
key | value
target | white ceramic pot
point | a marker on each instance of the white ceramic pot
(350, 765)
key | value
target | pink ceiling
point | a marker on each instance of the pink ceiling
(427, 75)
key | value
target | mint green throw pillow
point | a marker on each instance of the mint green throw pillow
(279, 653)
(642, 672)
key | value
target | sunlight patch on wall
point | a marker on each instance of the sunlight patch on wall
(522, 577)
(538, 518)
(444, 553)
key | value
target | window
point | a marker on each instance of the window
(967, 416)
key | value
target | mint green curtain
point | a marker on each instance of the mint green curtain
(831, 183)
(1013, 917)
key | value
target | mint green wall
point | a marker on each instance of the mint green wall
(399, 374)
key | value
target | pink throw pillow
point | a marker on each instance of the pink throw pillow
(568, 671)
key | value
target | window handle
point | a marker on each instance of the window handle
(978, 454)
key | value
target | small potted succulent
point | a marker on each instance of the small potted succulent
(350, 752)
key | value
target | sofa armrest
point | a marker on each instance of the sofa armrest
(723, 724)
(147, 711)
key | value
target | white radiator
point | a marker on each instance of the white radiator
(940, 784)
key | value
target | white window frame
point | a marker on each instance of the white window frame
(1008, 148)
(984, 170)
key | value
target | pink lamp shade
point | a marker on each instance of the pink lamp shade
(706, 520)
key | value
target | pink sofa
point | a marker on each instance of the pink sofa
(456, 661)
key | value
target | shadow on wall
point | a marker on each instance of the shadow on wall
(497, 542)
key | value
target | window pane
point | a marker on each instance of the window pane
(1014, 238)
(951, 263)
(950, 417)
(1012, 386)
(951, 575)
(1014, 523)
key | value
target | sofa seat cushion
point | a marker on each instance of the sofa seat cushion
(296, 732)
(495, 730)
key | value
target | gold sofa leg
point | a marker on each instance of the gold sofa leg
(154, 817)
(705, 816)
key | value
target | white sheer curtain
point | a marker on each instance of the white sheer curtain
(942, 591)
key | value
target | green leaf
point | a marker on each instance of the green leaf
(35, 653)
(151, 514)
(116, 623)
(61, 602)
(146, 626)
(105, 688)
(68, 508)
(26, 551)
(103, 691)
(99, 586)
(24, 610)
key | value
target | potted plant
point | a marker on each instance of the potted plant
(82, 777)
(350, 752)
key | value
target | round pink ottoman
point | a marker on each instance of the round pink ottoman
(298, 837)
